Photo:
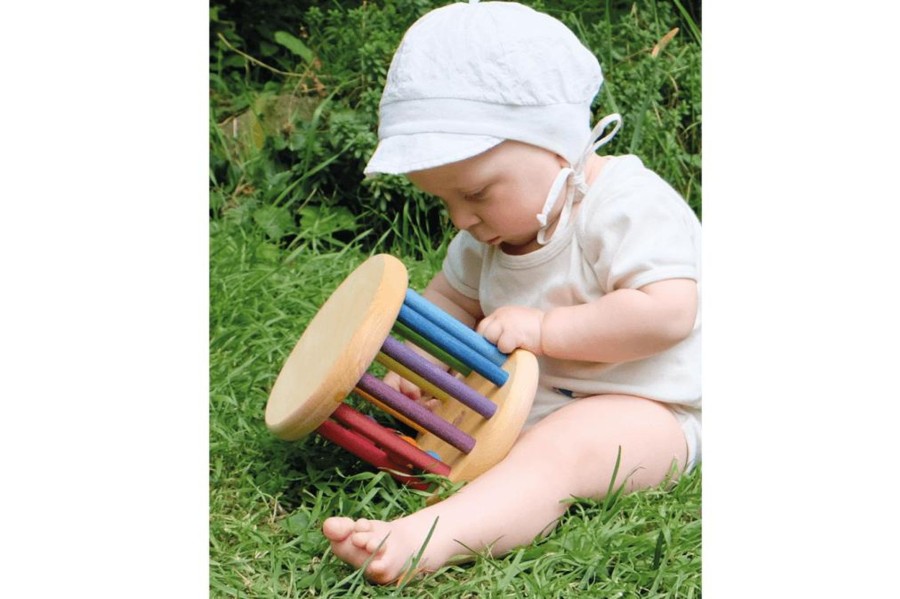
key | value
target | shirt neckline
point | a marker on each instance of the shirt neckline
(562, 238)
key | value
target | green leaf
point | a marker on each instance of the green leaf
(294, 44)
(323, 221)
(267, 49)
(297, 524)
(267, 252)
(216, 199)
(234, 61)
(275, 221)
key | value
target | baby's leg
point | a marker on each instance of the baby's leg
(571, 452)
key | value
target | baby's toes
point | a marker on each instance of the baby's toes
(361, 533)
(360, 539)
(381, 571)
(367, 540)
(376, 544)
(337, 529)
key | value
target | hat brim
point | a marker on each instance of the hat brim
(400, 154)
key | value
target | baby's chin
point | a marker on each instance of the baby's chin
(517, 249)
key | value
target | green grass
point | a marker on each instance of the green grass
(268, 498)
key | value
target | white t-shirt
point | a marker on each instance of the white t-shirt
(631, 229)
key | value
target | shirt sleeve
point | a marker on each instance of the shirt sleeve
(463, 263)
(641, 232)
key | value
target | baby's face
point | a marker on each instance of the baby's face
(496, 195)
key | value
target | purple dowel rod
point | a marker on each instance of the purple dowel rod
(401, 404)
(439, 378)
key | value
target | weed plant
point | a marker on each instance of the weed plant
(293, 125)
(293, 119)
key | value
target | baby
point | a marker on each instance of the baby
(590, 262)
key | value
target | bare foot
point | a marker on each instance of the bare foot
(388, 550)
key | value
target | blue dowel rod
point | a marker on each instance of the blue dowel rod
(439, 378)
(454, 327)
(452, 346)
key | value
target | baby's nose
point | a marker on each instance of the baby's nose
(463, 219)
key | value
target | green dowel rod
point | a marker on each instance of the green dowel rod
(413, 337)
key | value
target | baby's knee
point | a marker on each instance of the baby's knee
(593, 438)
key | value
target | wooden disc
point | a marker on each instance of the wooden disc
(337, 347)
(494, 437)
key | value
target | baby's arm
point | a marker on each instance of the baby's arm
(440, 293)
(626, 324)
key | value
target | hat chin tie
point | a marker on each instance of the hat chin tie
(577, 191)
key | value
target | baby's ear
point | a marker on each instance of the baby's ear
(562, 161)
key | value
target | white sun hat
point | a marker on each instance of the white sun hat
(468, 76)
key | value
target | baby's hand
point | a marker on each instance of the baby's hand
(512, 327)
(398, 383)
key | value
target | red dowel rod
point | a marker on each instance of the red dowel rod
(368, 452)
(354, 443)
(389, 441)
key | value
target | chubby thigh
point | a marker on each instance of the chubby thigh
(583, 440)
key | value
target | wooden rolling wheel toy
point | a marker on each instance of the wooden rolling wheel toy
(480, 415)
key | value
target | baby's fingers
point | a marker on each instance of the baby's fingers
(492, 330)
(414, 393)
(410, 390)
(507, 343)
(398, 383)
(431, 403)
